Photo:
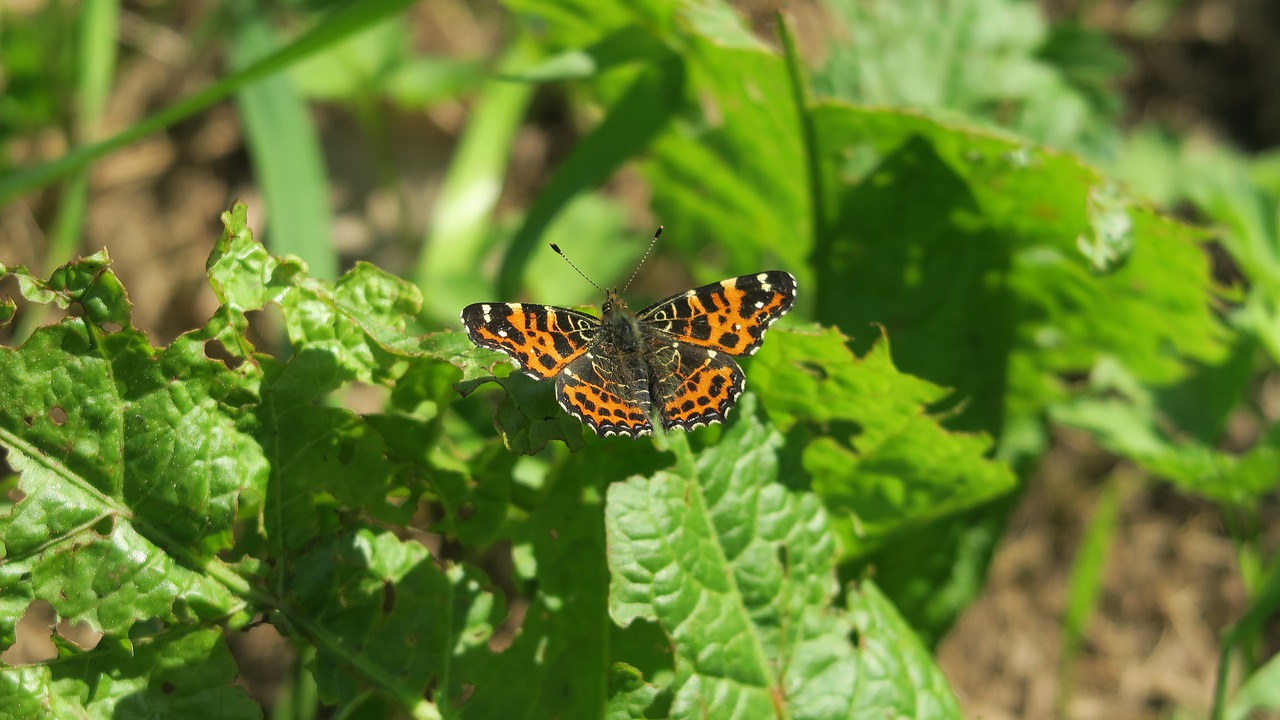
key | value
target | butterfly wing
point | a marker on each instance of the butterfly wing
(542, 339)
(595, 389)
(697, 386)
(730, 316)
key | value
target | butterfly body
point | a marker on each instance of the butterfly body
(673, 357)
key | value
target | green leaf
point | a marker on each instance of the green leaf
(556, 666)
(878, 460)
(185, 674)
(632, 122)
(528, 416)
(1260, 692)
(629, 695)
(632, 43)
(361, 322)
(460, 227)
(730, 168)
(134, 464)
(988, 291)
(1248, 630)
(381, 610)
(1125, 418)
(726, 557)
(996, 61)
(284, 147)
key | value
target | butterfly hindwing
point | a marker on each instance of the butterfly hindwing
(730, 316)
(541, 338)
(697, 385)
(589, 390)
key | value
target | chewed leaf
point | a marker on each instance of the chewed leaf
(884, 461)
(181, 675)
(133, 468)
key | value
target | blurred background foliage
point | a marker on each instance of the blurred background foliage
(1067, 212)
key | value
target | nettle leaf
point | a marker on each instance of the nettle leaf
(739, 571)
(996, 290)
(1126, 419)
(187, 674)
(361, 321)
(381, 612)
(528, 416)
(555, 667)
(134, 463)
(880, 462)
(711, 176)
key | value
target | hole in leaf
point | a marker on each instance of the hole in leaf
(111, 328)
(553, 533)
(28, 420)
(265, 660)
(216, 351)
(167, 688)
(105, 526)
(32, 634)
(506, 633)
(58, 415)
(466, 510)
(388, 597)
(80, 634)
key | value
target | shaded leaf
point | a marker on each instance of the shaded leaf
(186, 674)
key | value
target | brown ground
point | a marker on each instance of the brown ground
(1172, 581)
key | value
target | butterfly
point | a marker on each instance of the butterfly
(674, 357)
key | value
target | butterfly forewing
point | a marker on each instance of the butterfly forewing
(730, 316)
(541, 338)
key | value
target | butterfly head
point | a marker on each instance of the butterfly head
(613, 303)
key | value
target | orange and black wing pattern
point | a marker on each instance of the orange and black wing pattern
(730, 316)
(543, 339)
(696, 386)
(594, 389)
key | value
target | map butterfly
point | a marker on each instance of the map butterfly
(675, 356)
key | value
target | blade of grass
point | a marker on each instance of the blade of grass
(286, 156)
(800, 97)
(348, 19)
(96, 62)
(1087, 576)
(631, 124)
(464, 211)
(1247, 629)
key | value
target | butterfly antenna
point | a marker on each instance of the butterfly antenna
(575, 267)
(647, 250)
